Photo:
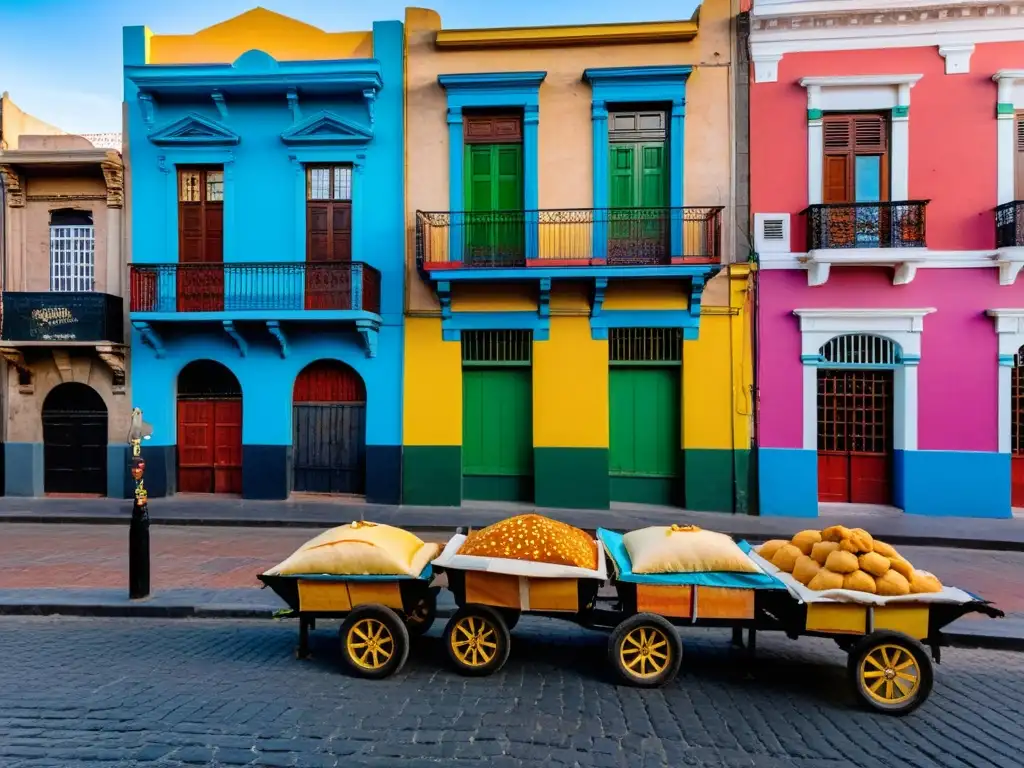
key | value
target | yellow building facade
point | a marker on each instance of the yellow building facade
(577, 324)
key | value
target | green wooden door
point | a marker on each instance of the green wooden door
(497, 433)
(639, 180)
(644, 439)
(494, 203)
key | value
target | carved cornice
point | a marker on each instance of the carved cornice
(11, 180)
(113, 175)
(833, 22)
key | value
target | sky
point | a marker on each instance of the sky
(60, 60)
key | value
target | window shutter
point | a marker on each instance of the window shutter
(838, 133)
(836, 185)
(869, 134)
(1019, 185)
(318, 244)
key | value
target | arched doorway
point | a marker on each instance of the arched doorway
(329, 428)
(209, 429)
(74, 440)
(855, 419)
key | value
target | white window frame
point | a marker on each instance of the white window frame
(73, 258)
(1010, 84)
(1009, 326)
(851, 94)
(903, 326)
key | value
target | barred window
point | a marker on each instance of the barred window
(72, 251)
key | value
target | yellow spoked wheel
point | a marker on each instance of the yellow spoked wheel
(477, 639)
(374, 641)
(891, 672)
(645, 650)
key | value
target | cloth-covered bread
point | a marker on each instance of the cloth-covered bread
(842, 562)
(769, 548)
(874, 563)
(535, 538)
(806, 568)
(859, 581)
(826, 579)
(685, 549)
(892, 584)
(805, 540)
(922, 581)
(361, 548)
(823, 549)
(785, 559)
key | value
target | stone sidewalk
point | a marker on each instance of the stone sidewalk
(210, 572)
(890, 525)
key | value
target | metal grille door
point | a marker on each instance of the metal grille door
(72, 258)
(1017, 434)
(855, 410)
(330, 447)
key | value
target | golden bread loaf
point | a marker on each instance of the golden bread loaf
(826, 579)
(873, 563)
(902, 567)
(835, 533)
(859, 581)
(842, 562)
(806, 568)
(922, 582)
(360, 548)
(892, 584)
(685, 549)
(823, 549)
(769, 548)
(885, 550)
(786, 557)
(535, 538)
(805, 540)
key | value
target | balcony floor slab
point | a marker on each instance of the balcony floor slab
(513, 274)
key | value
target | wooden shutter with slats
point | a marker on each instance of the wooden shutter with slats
(1019, 165)
(845, 137)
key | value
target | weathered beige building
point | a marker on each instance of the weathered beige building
(66, 406)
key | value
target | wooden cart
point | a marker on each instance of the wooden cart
(379, 615)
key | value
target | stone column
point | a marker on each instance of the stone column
(113, 174)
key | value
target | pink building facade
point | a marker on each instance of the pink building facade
(886, 151)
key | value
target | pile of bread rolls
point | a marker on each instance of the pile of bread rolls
(847, 558)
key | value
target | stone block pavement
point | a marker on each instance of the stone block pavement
(99, 693)
(210, 571)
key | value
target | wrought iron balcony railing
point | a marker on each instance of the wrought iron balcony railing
(570, 237)
(1010, 225)
(57, 316)
(866, 225)
(237, 287)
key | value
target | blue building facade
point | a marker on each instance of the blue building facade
(267, 240)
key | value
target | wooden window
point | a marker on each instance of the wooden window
(200, 215)
(1019, 164)
(493, 128)
(637, 125)
(329, 213)
(855, 166)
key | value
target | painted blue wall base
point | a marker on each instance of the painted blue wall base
(23, 471)
(953, 483)
(266, 471)
(119, 480)
(161, 478)
(383, 474)
(787, 482)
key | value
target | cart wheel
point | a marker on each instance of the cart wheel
(511, 618)
(421, 618)
(477, 640)
(645, 650)
(374, 641)
(890, 672)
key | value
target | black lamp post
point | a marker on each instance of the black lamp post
(138, 530)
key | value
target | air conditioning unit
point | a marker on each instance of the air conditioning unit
(771, 233)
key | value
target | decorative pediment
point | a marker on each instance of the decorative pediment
(327, 128)
(194, 130)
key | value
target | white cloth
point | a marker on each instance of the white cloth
(805, 595)
(450, 559)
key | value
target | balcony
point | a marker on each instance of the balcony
(239, 295)
(58, 318)
(866, 234)
(1010, 240)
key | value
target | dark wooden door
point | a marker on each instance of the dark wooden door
(210, 445)
(329, 430)
(1017, 435)
(329, 237)
(200, 239)
(855, 410)
(74, 440)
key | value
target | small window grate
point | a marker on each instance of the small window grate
(645, 345)
(860, 349)
(773, 229)
(497, 347)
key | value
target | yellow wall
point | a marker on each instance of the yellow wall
(570, 387)
(565, 149)
(432, 385)
(17, 123)
(282, 37)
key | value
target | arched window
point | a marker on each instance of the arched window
(860, 350)
(72, 250)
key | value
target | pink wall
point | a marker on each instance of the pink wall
(952, 137)
(957, 378)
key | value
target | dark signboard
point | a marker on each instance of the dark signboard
(61, 317)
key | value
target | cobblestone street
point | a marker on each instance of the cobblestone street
(114, 692)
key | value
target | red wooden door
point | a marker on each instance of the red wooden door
(329, 238)
(210, 446)
(201, 240)
(855, 436)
